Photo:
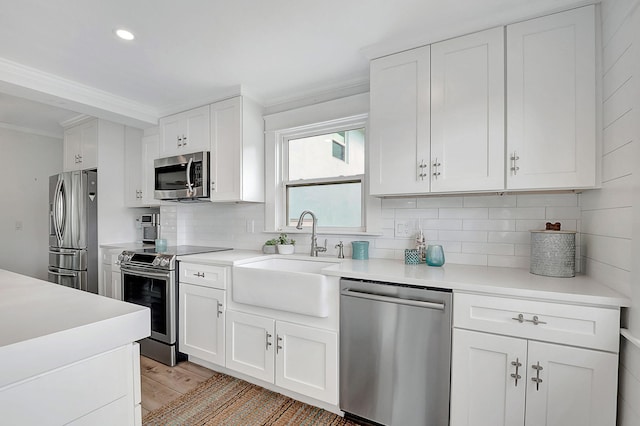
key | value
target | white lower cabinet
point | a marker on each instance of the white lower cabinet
(295, 357)
(519, 379)
(495, 380)
(201, 323)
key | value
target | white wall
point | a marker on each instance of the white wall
(610, 217)
(27, 162)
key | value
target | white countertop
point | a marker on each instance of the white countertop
(44, 325)
(459, 278)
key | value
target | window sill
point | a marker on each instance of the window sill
(306, 231)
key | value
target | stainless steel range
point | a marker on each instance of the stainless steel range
(149, 279)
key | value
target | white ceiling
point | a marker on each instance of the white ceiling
(192, 52)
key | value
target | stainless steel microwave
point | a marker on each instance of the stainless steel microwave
(183, 177)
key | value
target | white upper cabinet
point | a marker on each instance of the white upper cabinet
(551, 116)
(237, 151)
(467, 113)
(185, 132)
(81, 146)
(139, 170)
(400, 123)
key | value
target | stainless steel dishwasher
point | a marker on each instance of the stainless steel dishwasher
(395, 353)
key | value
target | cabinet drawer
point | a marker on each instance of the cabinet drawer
(584, 326)
(204, 275)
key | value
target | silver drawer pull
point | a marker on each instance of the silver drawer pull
(535, 320)
(520, 318)
(199, 274)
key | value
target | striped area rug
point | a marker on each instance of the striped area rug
(225, 400)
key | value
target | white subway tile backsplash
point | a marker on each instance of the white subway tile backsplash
(398, 203)
(417, 213)
(548, 200)
(490, 201)
(517, 213)
(464, 213)
(446, 224)
(488, 248)
(477, 236)
(615, 193)
(466, 258)
(473, 229)
(509, 237)
(439, 202)
(488, 225)
(612, 251)
(610, 222)
(559, 213)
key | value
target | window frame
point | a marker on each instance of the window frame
(319, 129)
(338, 107)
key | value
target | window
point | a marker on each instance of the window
(323, 172)
(319, 176)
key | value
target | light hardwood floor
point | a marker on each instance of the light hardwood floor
(162, 384)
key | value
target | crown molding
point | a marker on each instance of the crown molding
(57, 91)
(31, 131)
(74, 121)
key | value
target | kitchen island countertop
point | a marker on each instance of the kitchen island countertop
(44, 326)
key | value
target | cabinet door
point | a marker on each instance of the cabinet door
(89, 149)
(551, 101)
(104, 288)
(399, 123)
(201, 322)
(150, 151)
(577, 387)
(250, 345)
(307, 361)
(467, 113)
(197, 131)
(171, 133)
(226, 150)
(116, 284)
(133, 175)
(483, 390)
(72, 149)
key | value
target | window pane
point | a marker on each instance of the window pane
(329, 155)
(336, 204)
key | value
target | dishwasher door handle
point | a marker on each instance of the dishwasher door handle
(391, 299)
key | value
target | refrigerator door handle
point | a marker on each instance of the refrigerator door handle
(63, 274)
(56, 211)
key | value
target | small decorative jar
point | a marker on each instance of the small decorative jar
(360, 250)
(435, 255)
(411, 256)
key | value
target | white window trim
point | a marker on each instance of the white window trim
(321, 118)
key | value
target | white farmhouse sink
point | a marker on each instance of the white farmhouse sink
(292, 285)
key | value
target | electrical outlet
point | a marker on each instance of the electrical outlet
(250, 226)
(18, 225)
(404, 228)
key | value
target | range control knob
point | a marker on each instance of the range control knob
(164, 262)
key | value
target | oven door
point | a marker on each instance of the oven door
(156, 290)
(182, 176)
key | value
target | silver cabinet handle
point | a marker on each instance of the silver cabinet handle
(536, 321)
(519, 318)
(199, 274)
(267, 342)
(179, 141)
(219, 309)
(391, 299)
(184, 140)
(421, 171)
(436, 165)
(537, 380)
(514, 163)
(515, 375)
(278, 345)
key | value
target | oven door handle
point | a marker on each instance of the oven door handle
(140, 273)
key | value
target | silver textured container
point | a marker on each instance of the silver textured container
(553, 253)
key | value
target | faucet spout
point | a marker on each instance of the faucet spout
(314, 238)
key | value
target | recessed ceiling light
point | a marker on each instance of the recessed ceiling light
(125, 34)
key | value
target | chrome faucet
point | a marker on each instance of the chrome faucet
(314, 238)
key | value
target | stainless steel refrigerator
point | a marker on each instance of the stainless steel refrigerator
(73, 229)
